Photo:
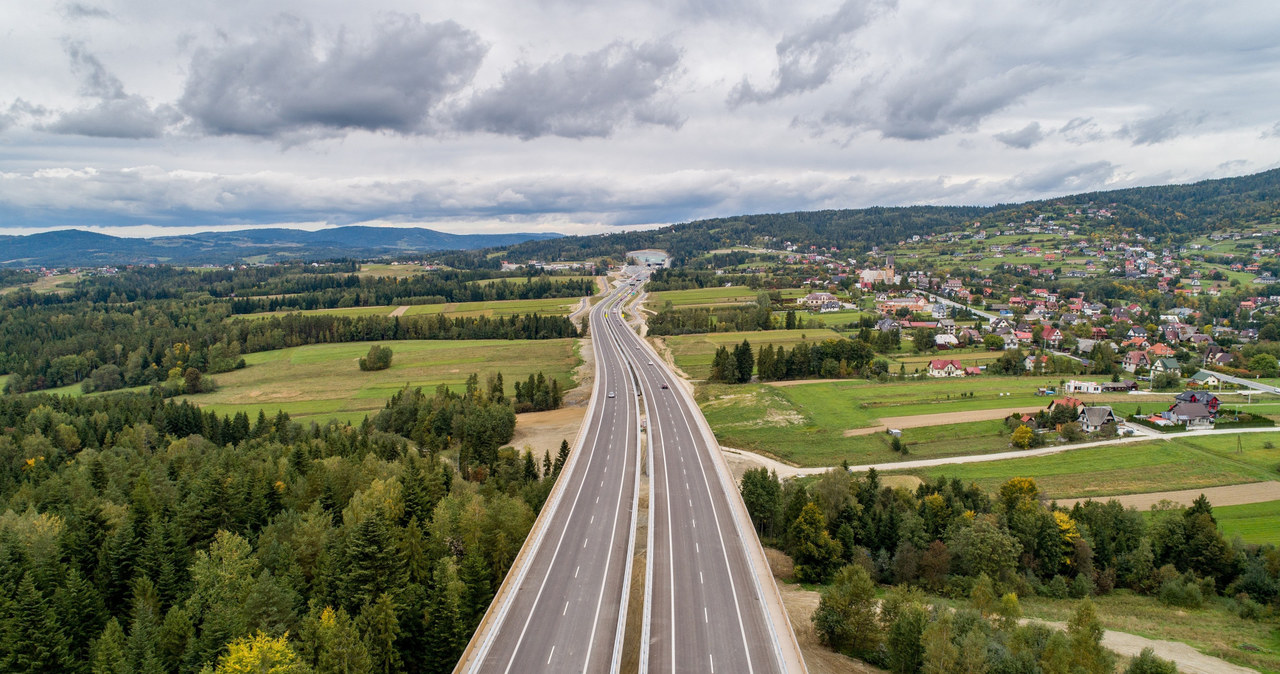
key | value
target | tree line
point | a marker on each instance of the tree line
(149, 343)
(948, 538)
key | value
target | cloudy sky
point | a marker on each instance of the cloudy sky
(140, 116)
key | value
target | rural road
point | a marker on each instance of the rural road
(786, 470)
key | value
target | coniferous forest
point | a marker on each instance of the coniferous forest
(143, 535)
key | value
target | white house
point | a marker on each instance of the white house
(1074, 386)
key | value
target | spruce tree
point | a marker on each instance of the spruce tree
(33, 640)
(380, 626)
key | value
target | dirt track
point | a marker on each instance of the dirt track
(1236, 494)
(942, 419)
(398, 311)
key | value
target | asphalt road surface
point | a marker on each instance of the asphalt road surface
(705, 612)
(565, 613)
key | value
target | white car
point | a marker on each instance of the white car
(611, 395)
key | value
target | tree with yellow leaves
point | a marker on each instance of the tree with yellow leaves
(259, 654)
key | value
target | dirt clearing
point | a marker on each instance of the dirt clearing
(1235, 494)
(398, 311)
(800, 604)
(943, 419)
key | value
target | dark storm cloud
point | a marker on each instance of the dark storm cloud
(117, 114)
(1023, 138)
(1160, 128)
(127, 117)
(276, 84)
(578, 96)
(929, 102)
(808, 58)
(1065, 178)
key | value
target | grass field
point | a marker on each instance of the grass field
(1181, 463)
(805, 423)
(1254, 522)
(47, 284)
(391, 270)
(713, 296)
(521, 280)
(324, 382)
(560, 306)
(693, 353)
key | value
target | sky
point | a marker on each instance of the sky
(139, 117)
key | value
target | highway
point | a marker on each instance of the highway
(708, 601)
(562, 607)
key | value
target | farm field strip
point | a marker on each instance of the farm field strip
(323, 382)
(1179, 463)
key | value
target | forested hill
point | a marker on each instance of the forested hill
(67, 248)
(1163, 212)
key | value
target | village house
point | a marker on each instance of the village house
(1204, 379)
(939, 367)
(1134, 360)
(816, 300)
(1165, 366)
(1074, 386)
(1092, 419)
(1192, 415)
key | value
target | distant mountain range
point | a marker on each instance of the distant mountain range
(72, 247)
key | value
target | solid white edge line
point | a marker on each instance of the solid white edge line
(496, 614)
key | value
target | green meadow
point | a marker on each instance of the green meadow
(1134, 468)
(324, 381)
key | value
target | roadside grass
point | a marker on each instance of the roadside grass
(1159, 465)
(693, 353)
(1214, 630)
(324, 381)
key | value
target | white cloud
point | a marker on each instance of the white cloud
(573, 114)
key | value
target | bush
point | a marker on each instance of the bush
(1181, 593)
(379, 358)
(1056, 588)
(1148, 663)
(1081, 586)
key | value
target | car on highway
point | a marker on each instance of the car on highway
(664, 386)
(611, 395)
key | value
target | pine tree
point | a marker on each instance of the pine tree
(561, 458)
(373, 563)
(109, 651)
(445, 634)
(477, 576)
(33, 640)
(380, 626)
(81, 612)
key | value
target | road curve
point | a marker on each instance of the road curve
(563, 603)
